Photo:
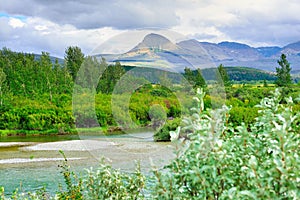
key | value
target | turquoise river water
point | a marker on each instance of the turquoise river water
(30, 163)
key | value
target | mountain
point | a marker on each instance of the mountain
(294, 47)
(155, 42)
(269, 51)
(153, 51)
(156, 51)
(52, 58)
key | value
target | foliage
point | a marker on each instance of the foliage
(109, 78)
(157, 115)
(109, 183)
(38, 195)
(195, 78)
(222, 162)
(246, 115)
(240, 74)
(73, 60)
(222, 76)
(214, 160)
(283, 72)
(2, 79)
(73, 183)
(163, 134)
(31, 77)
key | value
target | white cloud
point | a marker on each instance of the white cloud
(38, 35)
(15, 23)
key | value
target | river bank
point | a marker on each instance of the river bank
(109, 130)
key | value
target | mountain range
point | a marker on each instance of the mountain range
(157, 51)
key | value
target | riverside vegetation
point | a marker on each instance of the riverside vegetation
(214, 160)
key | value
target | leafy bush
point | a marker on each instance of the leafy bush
(245, 115)
(109, 183)
(222, 162)
(164, 133)
(102, 183)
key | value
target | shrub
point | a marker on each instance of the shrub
(164, 133)
(244, 115)
(222, 162)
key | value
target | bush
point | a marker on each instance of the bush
(244, 115)
(164, 133)
(225, 162)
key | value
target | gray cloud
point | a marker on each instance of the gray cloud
(95, 14)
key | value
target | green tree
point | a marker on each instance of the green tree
(47, 74)
(73, 60)
(2, 79)
(195, 78)
(283, 73)
(222, 76)
(189, 75)
(110, 77)
(199, 80)
(89, 73)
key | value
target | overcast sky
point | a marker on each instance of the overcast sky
(52, 25)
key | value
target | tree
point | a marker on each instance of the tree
(195, 78)
(73, 60)
(110, 77)
(222, 76)
(47, 74)
(283, 72)
(199, 80)
(2, 79)
(188, 74)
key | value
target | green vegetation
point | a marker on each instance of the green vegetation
(163, 134)
(222, 161)
(241, 74)
(195, 77)
(36, 94)
(222, 76)
(214, 160)
(283, 72)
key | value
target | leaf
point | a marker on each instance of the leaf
(247, 193)
(175, 134)
(253, 161)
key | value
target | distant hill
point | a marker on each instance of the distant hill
(240, 74)
(52, 58)
(209, 74)
(157, 51)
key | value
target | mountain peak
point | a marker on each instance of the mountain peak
(155, 41)
(233, 45)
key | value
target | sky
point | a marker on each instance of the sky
(53, 25)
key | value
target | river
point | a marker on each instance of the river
(29, 163)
